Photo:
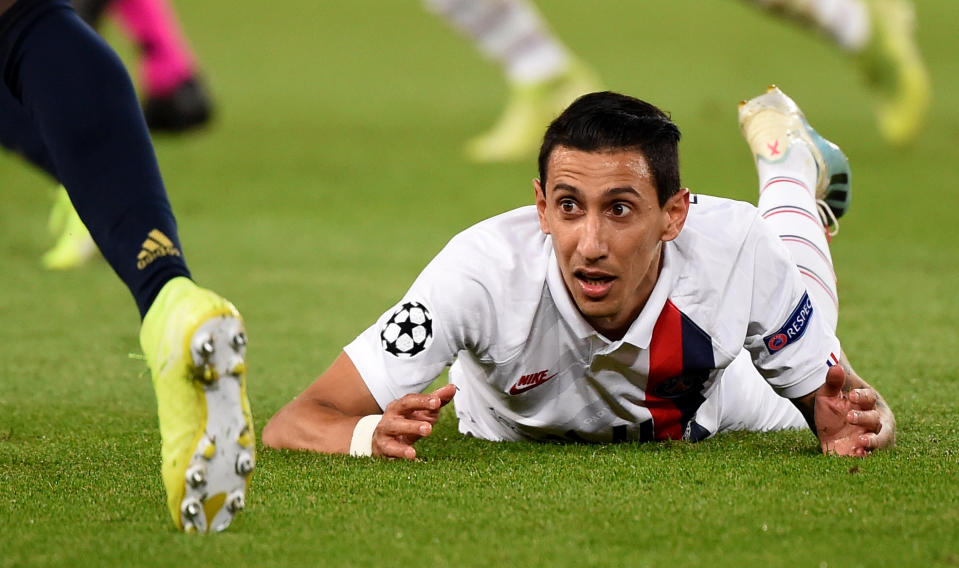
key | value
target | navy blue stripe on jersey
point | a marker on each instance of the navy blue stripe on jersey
(680, 362)
(697, 350)
(695, 432)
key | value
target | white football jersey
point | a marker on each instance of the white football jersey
(493, 305)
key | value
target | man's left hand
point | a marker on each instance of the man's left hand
(850, 421)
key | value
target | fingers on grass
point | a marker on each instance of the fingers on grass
(393, 448)
(865, 398)
(868, 419)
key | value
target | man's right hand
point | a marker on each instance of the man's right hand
(408, 419)
(324, 416)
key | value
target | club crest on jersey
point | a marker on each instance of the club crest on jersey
(793, 329)
(408, 332)
(679, 386)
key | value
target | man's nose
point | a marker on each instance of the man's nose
(592, 240)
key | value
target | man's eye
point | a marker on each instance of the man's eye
(567, 206)
(619, 209)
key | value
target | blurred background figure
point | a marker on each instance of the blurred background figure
(174, 98)
(880, 36)
(543, 75)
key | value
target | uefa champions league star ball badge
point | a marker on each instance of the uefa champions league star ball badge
(409, 331)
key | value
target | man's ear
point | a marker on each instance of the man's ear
(675, 210)
(541, 205)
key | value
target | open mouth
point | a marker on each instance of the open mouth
(594, 285)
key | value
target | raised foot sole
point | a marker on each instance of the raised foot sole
(216, 477)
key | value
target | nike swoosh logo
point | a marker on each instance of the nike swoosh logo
(517, 389)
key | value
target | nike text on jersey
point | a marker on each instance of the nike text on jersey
(529, 381)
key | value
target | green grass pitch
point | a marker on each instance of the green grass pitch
(334, 173)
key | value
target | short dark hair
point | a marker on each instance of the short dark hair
(607, 121)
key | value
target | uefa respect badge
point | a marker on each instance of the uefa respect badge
(793, 329)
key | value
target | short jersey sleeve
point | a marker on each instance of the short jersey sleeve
(446, 310)
(790, 342)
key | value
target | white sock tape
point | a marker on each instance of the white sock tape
(362, 442)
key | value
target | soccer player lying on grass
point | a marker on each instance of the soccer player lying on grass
(620, 307)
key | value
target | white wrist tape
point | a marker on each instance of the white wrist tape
(362, 442)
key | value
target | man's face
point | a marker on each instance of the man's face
(603, 213)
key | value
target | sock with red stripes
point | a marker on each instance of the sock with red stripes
(787, 201)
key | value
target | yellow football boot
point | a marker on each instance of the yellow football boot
(518, 132)
(195, 346)
(895, 70)
(74, 247)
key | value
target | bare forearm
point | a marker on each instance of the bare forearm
(307, 424)
(323, 417)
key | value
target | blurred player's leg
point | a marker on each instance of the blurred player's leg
(894, 67)
(95, 138)
(798, 168)
(846, 21)
(175, 97)
(881, 34)
(175, 100)
(73, 245)
(96, 143)
(543, 77)
(17, 132)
